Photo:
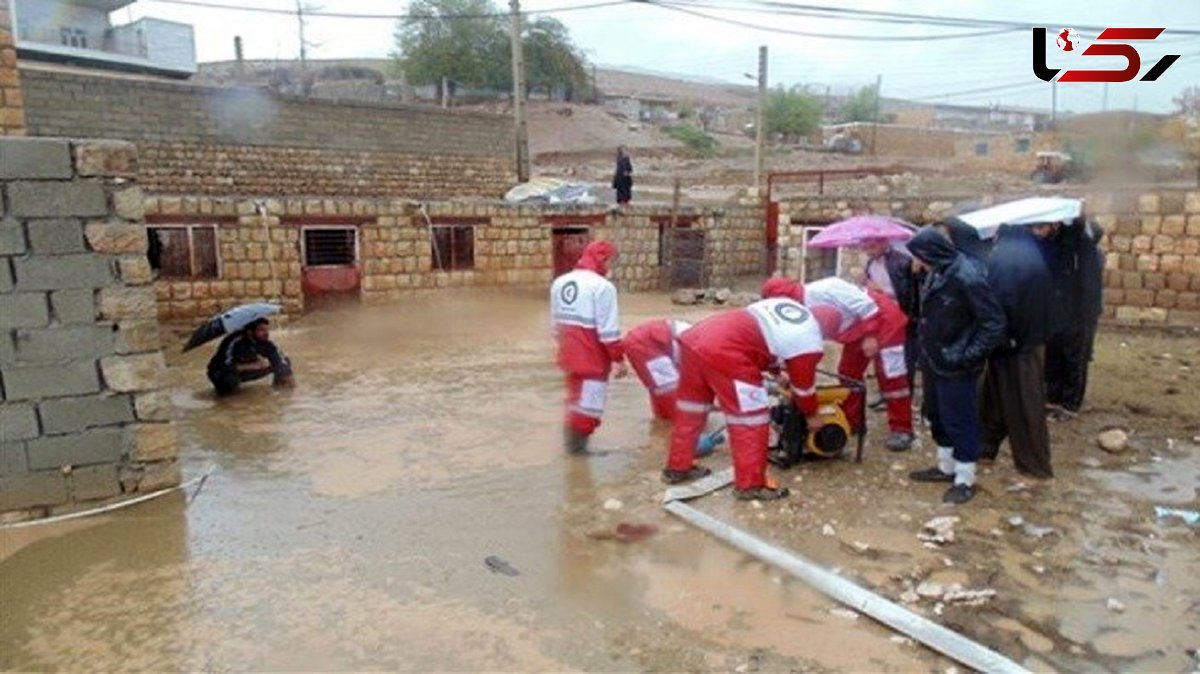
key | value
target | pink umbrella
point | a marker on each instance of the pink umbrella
(854, 231)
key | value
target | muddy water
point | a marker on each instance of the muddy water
(347, 523)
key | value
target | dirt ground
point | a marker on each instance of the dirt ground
(347, 524)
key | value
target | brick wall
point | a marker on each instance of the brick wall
(1152, 241)
(12, 115)
(259, 247)
(200, 140)
(80, 359)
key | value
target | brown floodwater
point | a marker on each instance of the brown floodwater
(347, 523)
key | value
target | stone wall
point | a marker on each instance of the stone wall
(1152, 241)
(80, 358)
(12, 103)
(200, 140)
(259, 246)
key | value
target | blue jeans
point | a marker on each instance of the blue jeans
(953, 411)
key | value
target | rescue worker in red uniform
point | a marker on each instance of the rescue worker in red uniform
(652, 350)
(583, 305)
(724, 357)
(871, 327)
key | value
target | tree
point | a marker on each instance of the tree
(863, 106)
(1189, 102)
(468, 42)
(794, 112)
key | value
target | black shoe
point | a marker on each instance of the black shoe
(934, 474)
(959, 494)
(761, 494)
(575, 443)
(680, 476)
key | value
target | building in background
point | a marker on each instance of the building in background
(81, 32)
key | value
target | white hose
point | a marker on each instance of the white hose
(114, 506)
(945, 641)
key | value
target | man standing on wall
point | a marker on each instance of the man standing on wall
(623, 177)
(583, 305)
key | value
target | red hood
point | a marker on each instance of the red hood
(782, 287)
(596, 257)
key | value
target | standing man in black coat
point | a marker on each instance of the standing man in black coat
(961, 322)
(1014, 392)
(1080, 275)
(622, 180)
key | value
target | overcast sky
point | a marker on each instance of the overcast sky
(650, 37)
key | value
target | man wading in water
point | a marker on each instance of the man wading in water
(246, 356)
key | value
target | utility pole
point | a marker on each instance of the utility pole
(301, 8)
(1104, 104)
(445, 91)
(1053, 103)
(760, 125)
(239, 60)
(518, 67)
(878, 103)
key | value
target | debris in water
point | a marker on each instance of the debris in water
(1016, 521)
(909, 597)
(1113, 441)
(1039, 569)
(968, 597)
(828, 530)
(860, 546)
(939, 530)
(497, 565)
(1039, 532)
(625, 532)
(613, 504)
(903, 641)
(1018, 487)
(930, 589)
(844, 613)
(1115, 605)
(1090, 462)
(1189, 517)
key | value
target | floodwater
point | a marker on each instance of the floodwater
(347, 521)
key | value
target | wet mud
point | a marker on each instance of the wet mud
(348, 523)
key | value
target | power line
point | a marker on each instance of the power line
(826, 36)
(391, 17)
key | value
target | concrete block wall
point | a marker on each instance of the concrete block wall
(200, 140)
(1152, 242)
(12, 102)
(80, 357)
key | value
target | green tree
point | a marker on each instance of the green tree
(794, 112)
(468, 42)
(862, 106)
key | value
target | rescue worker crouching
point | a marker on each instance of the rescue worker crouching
(586, 322)
(724, 357)
(248, 355)
(652, 349)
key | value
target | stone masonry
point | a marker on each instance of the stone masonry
(81, 418)
(12, 104)
(1152, 242)
(219, 141)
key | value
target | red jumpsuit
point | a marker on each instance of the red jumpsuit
(584, 314)
(843, 311)
(724, 357)
(653, 352)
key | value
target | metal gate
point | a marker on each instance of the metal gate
(687, 258)
(568, 243)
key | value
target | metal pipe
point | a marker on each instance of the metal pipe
(945, 641)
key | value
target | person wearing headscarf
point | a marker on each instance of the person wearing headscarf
(1080, 275)
(622, 180)
(961, 322)
(584, 315)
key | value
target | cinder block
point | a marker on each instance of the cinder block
(60, 272)
(117, 237)
(78, 198)
(6, 275)
(12, 238)
(8, 353)
(35, 489)
(18, 421)
(12, 459)
(109, 158)
(23, 310)
(74, 306)
(153, 406)
(55, 236)
(70, 415)
(51, 381)
(100, 445)
(154, 442)
(90, 483)
(119, 303)
(34, 158)
(79, 342)
(140, 372)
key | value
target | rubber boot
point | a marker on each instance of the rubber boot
(686, 428)
(749, 448)
(574, 442)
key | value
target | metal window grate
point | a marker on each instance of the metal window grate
(452, 248)
(330, 247)
(184, 251)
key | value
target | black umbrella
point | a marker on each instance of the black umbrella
(231, 321)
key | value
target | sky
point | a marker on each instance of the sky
(649, 37)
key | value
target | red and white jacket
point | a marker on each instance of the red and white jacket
(584, 314)
(857, 313)
(770, 334)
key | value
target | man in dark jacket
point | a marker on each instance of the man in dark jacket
(1080, 274)
(246, 356)
(961, 322)
(1014, 393)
